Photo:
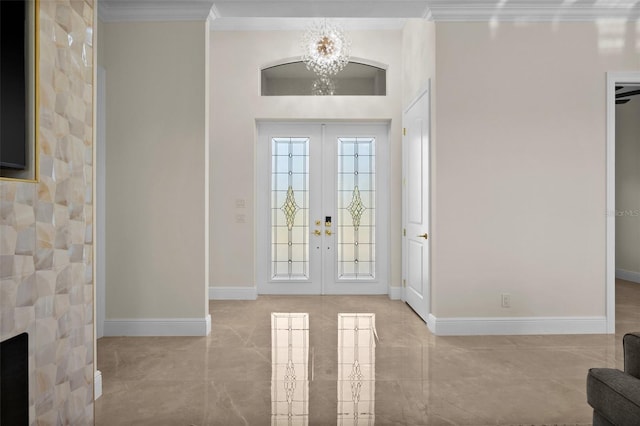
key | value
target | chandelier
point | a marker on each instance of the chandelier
(325, 49)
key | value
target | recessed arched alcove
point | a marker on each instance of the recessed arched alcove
(292, 78)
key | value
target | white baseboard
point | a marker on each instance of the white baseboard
(233, 293)
(251, 293)
(431, 323)
(97, 385)
(632, 276)
(207, 325)
(516, 325)
(158, 327)
(395, 293)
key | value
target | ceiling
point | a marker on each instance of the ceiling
(356, 14)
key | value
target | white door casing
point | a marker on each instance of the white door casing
(322, 208)
(416, 202)
(101, 196)
(613, 79)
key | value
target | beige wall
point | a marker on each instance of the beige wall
(46, 243)
(520, 179)
(418, 59)
(518, 149)
(99, 50)
(628, 187)
(156, 168)
(236, 59)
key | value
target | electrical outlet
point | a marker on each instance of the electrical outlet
(506, 300)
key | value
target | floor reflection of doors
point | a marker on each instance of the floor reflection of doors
(291, 372)
(356, 369)
(289, 369)
(322, 208)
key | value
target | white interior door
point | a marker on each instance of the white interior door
(322, 208)
(416, 206)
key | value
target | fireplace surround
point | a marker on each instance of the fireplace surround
(14, 380)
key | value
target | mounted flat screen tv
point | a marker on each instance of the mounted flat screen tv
(17, 88)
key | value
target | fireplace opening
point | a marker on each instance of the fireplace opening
(14, 380)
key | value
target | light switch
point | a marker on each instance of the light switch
(240, 203)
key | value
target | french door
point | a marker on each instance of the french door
(322, 208)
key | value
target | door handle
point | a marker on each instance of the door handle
(425, 236)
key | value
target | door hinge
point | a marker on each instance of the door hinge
(404, 232)
(404, 131)
(404, 283)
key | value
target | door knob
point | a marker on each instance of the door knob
(425, 236)
(317, 232)
(327, 231)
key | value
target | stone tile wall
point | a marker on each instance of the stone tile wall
(46, 243)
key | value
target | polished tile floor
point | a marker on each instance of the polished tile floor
(404, 375)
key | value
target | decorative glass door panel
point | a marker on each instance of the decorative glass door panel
(290, 208)
(319, 188)
(356, 208)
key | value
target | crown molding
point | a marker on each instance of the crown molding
(154, 10)
(301, 24)
(532, 11)
(213, 15)
(325, 8)
(433, 10)
(427, 15)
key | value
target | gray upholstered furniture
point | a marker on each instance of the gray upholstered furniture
(615, 395)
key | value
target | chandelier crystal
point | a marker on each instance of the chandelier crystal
(323, 86)
(325, 49)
